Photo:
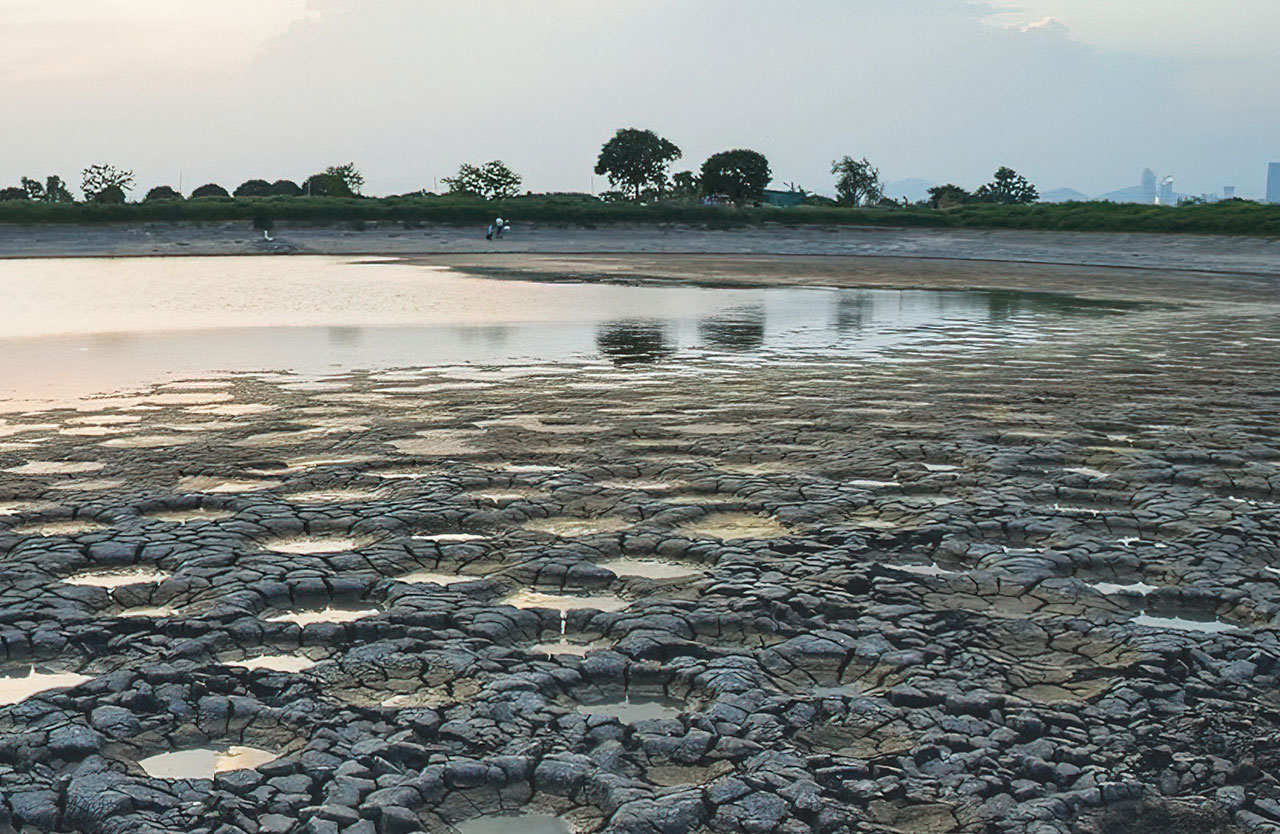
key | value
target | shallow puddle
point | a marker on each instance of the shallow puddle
(312, 544)
(450, 538)
(1205, 626)
(19, 687)
(111, 579)
(1109, 588)
(46, 467)
(276, 663)
(426, 577)
(924, 570)
(575, 527)
(634, 708)
(220, 486)
(60, 528)
(565, 603)
(514, 824)
(205, 763)
(733, 526)
(150, 611)
(187, 516)
(332, 496)
(567, 648)
(324, 615)
(650, 569)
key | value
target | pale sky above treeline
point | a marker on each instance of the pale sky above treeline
(1076, 93)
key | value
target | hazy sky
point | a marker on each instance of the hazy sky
(1081, 93)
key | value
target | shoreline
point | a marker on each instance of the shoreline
(1210, 255)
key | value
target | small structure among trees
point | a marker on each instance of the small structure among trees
(491, 181)
(739, 175)
(636, 160)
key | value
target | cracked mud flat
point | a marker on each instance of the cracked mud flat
(975, 593)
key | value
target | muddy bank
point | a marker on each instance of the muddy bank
(1022, 588)
(1168, 252)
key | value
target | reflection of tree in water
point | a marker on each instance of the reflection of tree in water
(634, 342)
(741, 329)
(1003, 305)
(853, 311)
(345, 335)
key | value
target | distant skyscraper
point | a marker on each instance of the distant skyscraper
(1228, 192)
(1167, 197)
(1273, 182)
(1148, 186)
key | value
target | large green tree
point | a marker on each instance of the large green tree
(857, 182)
(635, 160)
(1009, 188)
(741, 175)
(946, 196)
(491, 181)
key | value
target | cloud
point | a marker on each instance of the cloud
(1047, 27)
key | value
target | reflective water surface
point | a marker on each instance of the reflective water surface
(73, 327)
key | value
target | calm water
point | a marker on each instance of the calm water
(74, 327)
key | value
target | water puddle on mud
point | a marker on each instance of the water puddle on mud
(112, 579)
(148, 611)
(306, 617)
(565, 603)
(45, 467)
(1110, 588)
(514, 824)
(60, 528)
(223, 486)
(427, 577)
(276, 663)
(1208, 625)
(19, 687)
(651, 569)
(332, 496)
(188, 516)
(575, 527)
(313, 544)
(205, 763)
(924, 570)
(567, 648)
(733, 527)
(632, 708)
(450, 538)
(643, 486)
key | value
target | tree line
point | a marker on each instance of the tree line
(636, 162)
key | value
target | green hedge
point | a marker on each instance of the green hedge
(1236, 217)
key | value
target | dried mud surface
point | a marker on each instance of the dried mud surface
(909, 638)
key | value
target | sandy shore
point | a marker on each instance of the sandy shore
(1164, 252)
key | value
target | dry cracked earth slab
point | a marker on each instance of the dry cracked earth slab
(1013, 588)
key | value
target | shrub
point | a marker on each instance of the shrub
(161, 192)
(253, 188)
(111, 195)
(209, 190)
(285, 188)
(13, 193)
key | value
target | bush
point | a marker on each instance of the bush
(161, 192)
(326, 185)
(285, 188)
(253, 188)
(13, 193)
(111, 195)
(209, 190)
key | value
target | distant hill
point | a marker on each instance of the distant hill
(1064, 195)
(1132, 194)
(913, 188)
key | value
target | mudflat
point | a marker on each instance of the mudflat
(955, 561)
